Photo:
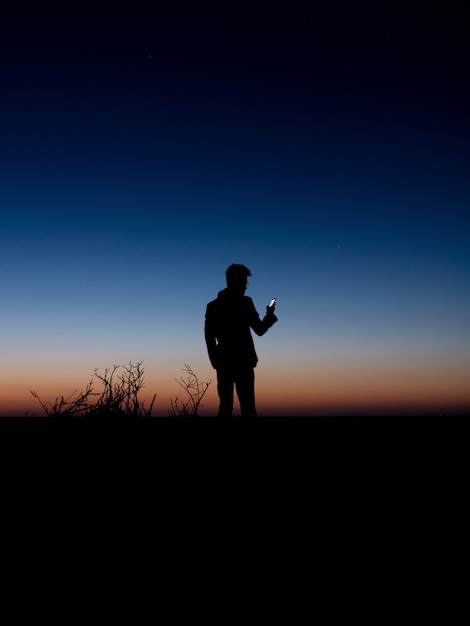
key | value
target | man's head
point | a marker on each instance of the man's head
(237, 278)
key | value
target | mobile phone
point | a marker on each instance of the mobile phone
(272, 303)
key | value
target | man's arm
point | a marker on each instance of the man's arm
(210, 338)
(261, 326)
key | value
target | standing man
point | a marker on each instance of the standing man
(230, 344)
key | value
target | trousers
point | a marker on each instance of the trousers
(243, 378)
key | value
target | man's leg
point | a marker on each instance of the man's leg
(225, 389)
(245, 382)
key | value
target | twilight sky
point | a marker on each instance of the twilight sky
(146, 147)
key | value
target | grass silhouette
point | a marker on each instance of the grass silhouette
(119, 396)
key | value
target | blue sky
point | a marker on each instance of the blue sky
(144, 150)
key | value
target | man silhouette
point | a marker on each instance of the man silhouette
(230, 344)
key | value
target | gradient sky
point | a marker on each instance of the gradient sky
(146, 148)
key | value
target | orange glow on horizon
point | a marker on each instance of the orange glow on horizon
(380, 386)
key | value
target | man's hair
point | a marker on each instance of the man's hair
(236, 273)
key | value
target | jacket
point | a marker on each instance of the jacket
(229, 319)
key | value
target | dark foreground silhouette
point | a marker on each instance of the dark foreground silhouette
(230, 346)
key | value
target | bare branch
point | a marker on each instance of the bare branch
(195, 392)
(119, 396)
